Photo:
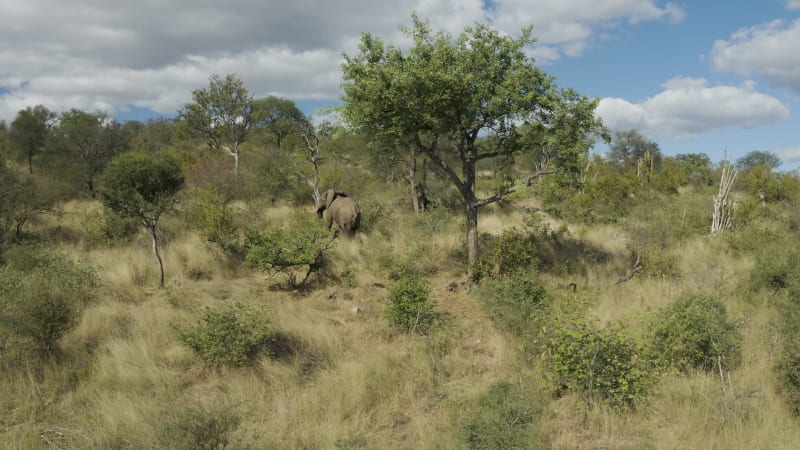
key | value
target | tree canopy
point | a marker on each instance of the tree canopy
(445, 92)
(222, 114)
(757, 157)
(28, 133)
(144, 187)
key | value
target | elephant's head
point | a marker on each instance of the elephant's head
(325, 200)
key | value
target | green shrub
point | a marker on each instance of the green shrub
(409, 306)
(788, 366)
(606, 365)
(205, 210)
(504, 418)
(514, 302)
(512, 251)
(305, 242)
(105, 229)
(193, 427)
(42, 294)
(233, 335)
(695, 333)
(776, 267)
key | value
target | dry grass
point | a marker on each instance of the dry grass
(344, 379)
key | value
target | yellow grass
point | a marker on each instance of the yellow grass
(354, 382)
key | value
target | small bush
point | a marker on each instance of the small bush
(105, 229)
(606, 365)
(198, 427)
(234, 335)
(695, 333)
(514, 302)
(205, 210)
(42, 295)
(511, 252)
(409, 306)
(776, 268)
(504, 418)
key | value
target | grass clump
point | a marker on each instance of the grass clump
(233, 335)
(514, 302)
(195, 426)
(695, 333)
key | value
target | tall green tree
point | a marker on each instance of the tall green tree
(143, 187)
(630, 149)
(758, 157)
(222, 114)
(87, 141)
(279, 116)
(28, 133)
(444, 93)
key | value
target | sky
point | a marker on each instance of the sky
(700, 76)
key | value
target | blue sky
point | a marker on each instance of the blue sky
(702, 76)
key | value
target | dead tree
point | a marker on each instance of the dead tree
(722, 219)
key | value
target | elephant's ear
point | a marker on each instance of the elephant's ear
(328, 198)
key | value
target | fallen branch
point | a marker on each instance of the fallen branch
(637, 267)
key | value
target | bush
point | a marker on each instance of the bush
(105, 229)
(776, 267)
(198, 427)
(305, 242)
(409, 306)
(514, 302)
(504, 418)
(513, 251)
(695, 333)
(606, 365)
(42, 295)
(205, 211)
(788, 366)
(234, 335)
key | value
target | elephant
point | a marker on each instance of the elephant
(335, 206)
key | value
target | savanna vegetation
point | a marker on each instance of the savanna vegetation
(167, 284)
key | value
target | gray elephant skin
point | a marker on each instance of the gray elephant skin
(337, 207)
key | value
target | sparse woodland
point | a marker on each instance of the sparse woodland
(506, 289)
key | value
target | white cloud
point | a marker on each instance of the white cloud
(793, 4)
(789, 155)
(152, 54)
(771, 50)
(688, 107)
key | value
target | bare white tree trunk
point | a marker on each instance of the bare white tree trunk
(722, 219)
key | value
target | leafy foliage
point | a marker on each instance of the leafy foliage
(42, 295)
(204, 210)
(513, 251)
(85, 143)
(504, 418)
(142, 186)
(515, 303)
(28, 133)
(232, 335)
(695, 333)
(304, 242)
(607, 365)
(410, 308)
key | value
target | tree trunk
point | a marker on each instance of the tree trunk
(468, 192)
(236, 162)
(412, 178)
(90, 186)
(473, 274)
(30, 164)
(315, 161)
(158, 256)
